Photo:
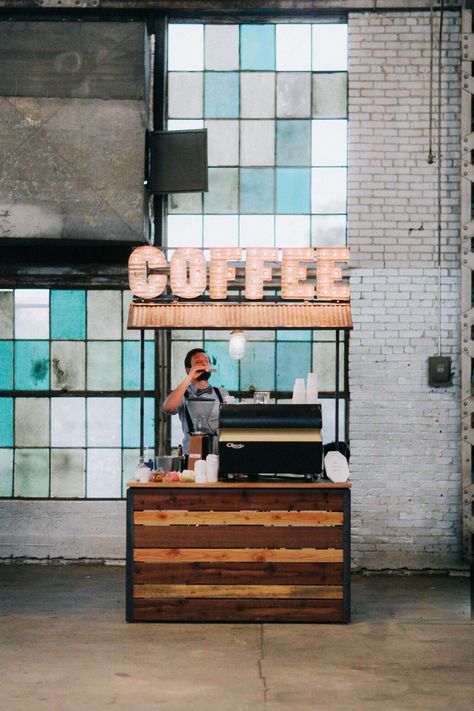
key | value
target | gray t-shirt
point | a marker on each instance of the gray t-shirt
(206, 393)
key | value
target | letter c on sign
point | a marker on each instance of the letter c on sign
(142, 284)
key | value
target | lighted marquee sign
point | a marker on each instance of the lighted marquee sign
(190, 276)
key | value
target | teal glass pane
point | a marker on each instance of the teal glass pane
(257, 47)
(293, 190)
(6, 472)
(293, 143)
(257, 367)
(31, 472)
(68, 314)
(32, 365)
(6, 365)
(103, 365)
(6, 422)
(227, 375)
(131, 365)
(257, 187)
(221, 95)
(131, 422)
(293, 361)
(293, 335)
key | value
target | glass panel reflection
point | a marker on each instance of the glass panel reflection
(256, 190)
(329, 48)
(104, 366)
(293, 143)
(227, 375)
(257, 46)
(330, 95)
(293, 361)
(257, 143)
(257, 95)
(257, 368)
(131, 422)
(6, 422)
(185, 95)
(68, 473)
(68, 314)
(31, 473)
(328, 407)
(31, 365)
(292, 231)
(185, 231)
(31, 313)
(104, 418)
(185, 47)
(329, 190)
(68, 422)
(221, 230)
(293, 96)
(184, 203)
(328, 231)
(6, 472)
(293, 190)
(221, 95)
(329, 143)
(104, 315)
(6, 314)
(257, 231)
(131, 365)
(68, 365)
(223, 142)
(221, 47)
(222, 197)
(104, 473)
(293, 47)
(324, 364)
(6, 365)
(31, 422)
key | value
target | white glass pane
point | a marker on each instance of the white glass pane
(185, 95)
(292, 231)
(257, 95)
(68, 365)
(293, 47)
(68, 422)
(31, 422)
(104, 366)
(221, 231)
(104, 418)
(184, 203)
(184, 124)
(68, 473)
(257, 231)
(328, 190)
(328, 231)
(293, 95)
(6, 314)
(130, 335)
(184, 231)
(328, 408)
(329, 142)
(222, 142)
(31, 313)
(222, 196)
(257, 143)
(222, 47)
(329, 48)
(324, 364)
(185, 47)
(104, 315)
(104, 474)
(330, 95)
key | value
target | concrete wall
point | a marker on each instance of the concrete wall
(72, 131)
(404, 435)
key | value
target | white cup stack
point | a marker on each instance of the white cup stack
(200, 474)
(212, 464)
(299, 392)
(312, 389)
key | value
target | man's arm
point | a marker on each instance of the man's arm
(175, 398)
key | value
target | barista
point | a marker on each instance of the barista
(195, 385)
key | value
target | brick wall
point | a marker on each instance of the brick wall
(404, 435)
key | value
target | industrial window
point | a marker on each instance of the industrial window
(69, 393)
(273, 98)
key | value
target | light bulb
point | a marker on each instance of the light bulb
(237, 344)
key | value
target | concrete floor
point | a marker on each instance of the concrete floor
(64, 645)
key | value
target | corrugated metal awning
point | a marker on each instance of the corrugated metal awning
(243, 315)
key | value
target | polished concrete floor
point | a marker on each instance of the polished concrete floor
(64, 645)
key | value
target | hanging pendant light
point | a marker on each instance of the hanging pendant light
(237, 344)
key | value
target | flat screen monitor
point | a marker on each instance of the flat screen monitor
(177, 161)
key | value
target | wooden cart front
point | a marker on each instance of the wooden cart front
(238, 552)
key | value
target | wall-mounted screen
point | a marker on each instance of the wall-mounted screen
(177, 161)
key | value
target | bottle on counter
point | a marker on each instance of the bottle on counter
(181, 458)
(142, 472)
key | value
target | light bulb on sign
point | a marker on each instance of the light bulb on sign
(237, 344)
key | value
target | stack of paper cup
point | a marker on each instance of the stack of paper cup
(200, 475)
(312, 389)
(212, 467)
(299, 394)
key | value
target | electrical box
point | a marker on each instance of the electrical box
(439, 371)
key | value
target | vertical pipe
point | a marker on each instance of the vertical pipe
(337, 385)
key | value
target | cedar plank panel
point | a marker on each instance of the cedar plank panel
(237, 536)
(187, 499)
(274, 592)
(239, 573)
(248, 610)
(238, 555)
(242, 518)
